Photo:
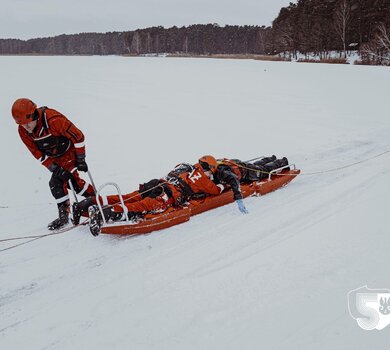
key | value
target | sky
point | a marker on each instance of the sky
(26, 19)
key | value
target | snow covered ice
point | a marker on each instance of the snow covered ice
(276, 278)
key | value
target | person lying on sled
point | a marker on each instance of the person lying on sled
(183, 183)
(232, 172)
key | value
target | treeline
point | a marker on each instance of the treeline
(320, 26)
(307, 26)
(195, 39)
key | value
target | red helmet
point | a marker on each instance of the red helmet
(208, 163)
(24, 111)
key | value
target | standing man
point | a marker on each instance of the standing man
(59, 145)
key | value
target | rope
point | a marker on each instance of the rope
(312, 173)
(348, 165)
(34, 238)
(18, 245)
(227, 162)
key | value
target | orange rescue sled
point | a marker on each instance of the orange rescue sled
(174, 216)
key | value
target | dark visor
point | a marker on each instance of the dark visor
(204, 165)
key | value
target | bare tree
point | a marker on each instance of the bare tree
(149, 42)
(342, 18)
(157, 45)
(383, 41)
(261, 40)
(135, 45)
(186, 44)
(379, 48)
(286, 41)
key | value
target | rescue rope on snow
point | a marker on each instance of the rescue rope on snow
(33, 238)
(347, 166)
(316, 172)
(18, 245)
(36, 237)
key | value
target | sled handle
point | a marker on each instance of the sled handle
(73, 191)
(120, 197)
(70, 185)
(92, 182)
(278, 170)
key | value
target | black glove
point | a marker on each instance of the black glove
(80, 163)
(61, 173)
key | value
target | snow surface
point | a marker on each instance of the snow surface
(276, 278)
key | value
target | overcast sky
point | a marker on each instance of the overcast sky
(26, 19)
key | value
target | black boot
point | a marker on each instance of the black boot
(276, 164)
(135, 216)
(284, 162)
(281, 162)
(78, 208)
(63, 217)
(96, 220)
(265, 160)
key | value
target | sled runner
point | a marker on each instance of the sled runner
(174, 216)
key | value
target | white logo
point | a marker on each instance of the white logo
(370, 307)
(194, 177)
